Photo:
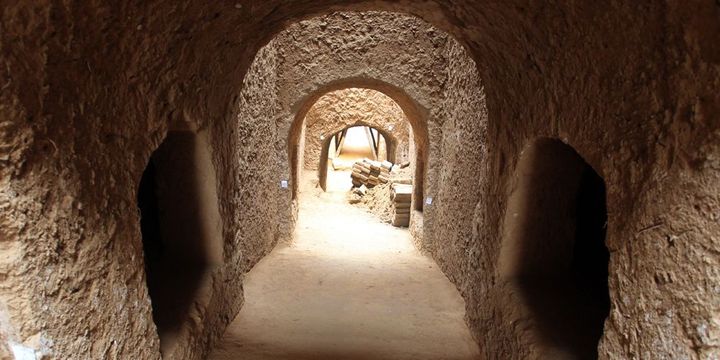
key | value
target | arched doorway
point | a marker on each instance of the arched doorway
(347, 146)
(415, 123)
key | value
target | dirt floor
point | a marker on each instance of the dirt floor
(349, 287)
(338, 180)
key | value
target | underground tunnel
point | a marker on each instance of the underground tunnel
(347, 125)
(552, 169)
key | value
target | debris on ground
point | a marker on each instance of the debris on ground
(384, 189)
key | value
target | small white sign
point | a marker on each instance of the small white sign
(284, 184)
(428, 200)
(22, 353)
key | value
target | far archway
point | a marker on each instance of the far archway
(352, 144)
(396, 121)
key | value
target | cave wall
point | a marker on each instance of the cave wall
(74, 148)
(75, 143)
(341, 109)
(87, 90)
(461, 158)
(628, 125)
(462, 171)
(254, 161)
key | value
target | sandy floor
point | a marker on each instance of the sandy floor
(349, 287)
(338, 180)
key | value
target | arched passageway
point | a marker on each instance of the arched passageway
(345, 285)
(358, 102)
(357, 142)
(348, 146)
(554, 250)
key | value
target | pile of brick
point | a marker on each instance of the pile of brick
(370, 173)
(401, 196)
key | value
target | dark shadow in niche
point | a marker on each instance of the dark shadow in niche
(419, 183)
(556, 253)
(174, 241)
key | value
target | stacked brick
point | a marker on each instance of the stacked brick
(370, 173)
(401, 196)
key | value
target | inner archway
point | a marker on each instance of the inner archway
(396, 120)
(347, 147)
(554, 249)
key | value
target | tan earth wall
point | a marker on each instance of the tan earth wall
(338, 110)
(88, 90)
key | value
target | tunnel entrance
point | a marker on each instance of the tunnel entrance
(180, 229)
(346, 147)
(554, 250)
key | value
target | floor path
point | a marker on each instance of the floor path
(348, 287)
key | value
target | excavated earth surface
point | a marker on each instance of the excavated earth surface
(88, 90)
(348, 287)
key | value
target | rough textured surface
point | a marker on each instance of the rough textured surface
(338, 110)
(87, 91)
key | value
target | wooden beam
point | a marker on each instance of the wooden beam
(371, 140)
(376, 142)
(341, 135)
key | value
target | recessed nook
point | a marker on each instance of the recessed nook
(180, 228)
(554, 250)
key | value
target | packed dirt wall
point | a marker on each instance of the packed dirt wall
(88, 90)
